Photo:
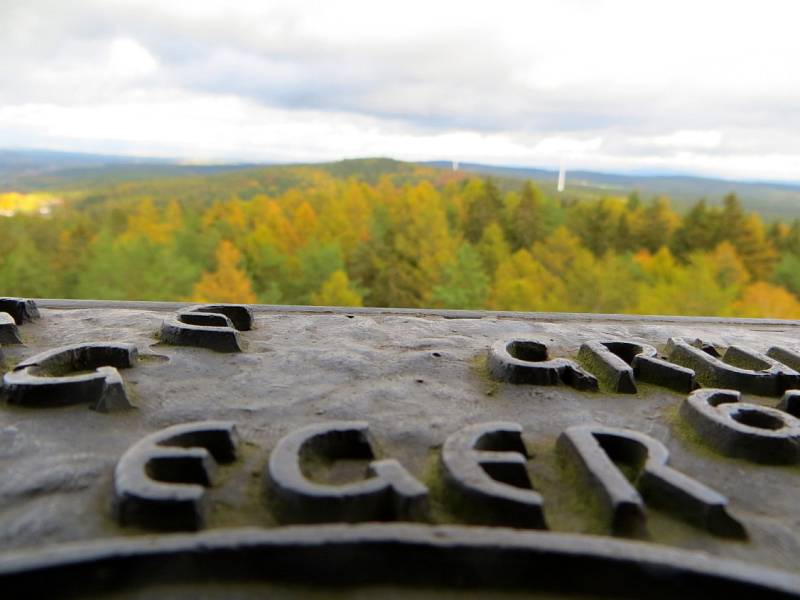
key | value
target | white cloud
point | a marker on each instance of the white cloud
(696, 139)
(709, 87)
(551, 146)
(129, 59)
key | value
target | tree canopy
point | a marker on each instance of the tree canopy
(418, 240)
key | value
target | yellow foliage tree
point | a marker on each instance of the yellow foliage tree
(762, 299)
(304, 223)
(755, 249)
(707, 285)
(522, 283)
(346, 217)
(730, 270)
(336, 291)
(227, 283)
(562, 254)
(560, 250)
(146, 221)
(229, 218)
(493, 247)
(271, 219)
(421, 247)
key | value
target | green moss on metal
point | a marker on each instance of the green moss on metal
(480, 366)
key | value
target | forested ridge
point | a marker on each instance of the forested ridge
(402, 236)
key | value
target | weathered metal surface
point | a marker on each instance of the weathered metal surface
(407, 459)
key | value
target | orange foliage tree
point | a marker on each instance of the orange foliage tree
(227, 283)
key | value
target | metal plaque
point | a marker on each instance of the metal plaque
(235, 451)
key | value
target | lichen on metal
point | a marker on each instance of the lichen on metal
(414, 450)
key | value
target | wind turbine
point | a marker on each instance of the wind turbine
(562, 177)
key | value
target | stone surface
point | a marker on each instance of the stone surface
(411, 388)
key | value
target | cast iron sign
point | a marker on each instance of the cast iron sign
(233, 450)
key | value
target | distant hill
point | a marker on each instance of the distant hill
(123, 185)
(771, 200)
(16, 166)
(27, 170)
(34, 170)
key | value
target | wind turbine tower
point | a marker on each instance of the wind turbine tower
(562, 177)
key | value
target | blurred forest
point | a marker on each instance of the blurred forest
(401, 236)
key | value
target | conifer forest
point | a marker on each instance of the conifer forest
(401, 235)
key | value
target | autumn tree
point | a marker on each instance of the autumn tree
(311, 268)
(624, 240)
(271, 223)
(697, 288)
(465, 283)
(522, 283)
(789, 240)
(657, 225)
(596, 223)
(484, 208)
(417, 244)
(336, 291)
(228, 219)
(401, 237)
(136, 268)
(526, 222)
(305, 223)
(697, 231)
(145, 220)
(787, 273)
(756, 251)
(24, 271)
(493, 248)
(731, 217)
(762, 299)
(227, 283)
(346, 217)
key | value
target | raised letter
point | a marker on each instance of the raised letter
(9, 333)
(13, 312)
(618, 363)
(594, 447)
(213, 326)
(158, 482)
(744, 369)
(20, 309)
(390, 493)
(30, 384)
(526, 361)
(743, 430)
(484, 469)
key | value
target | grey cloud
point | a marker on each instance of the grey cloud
(457, 80)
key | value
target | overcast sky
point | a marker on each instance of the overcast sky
(701, 86)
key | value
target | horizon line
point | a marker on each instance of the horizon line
(463, 165)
